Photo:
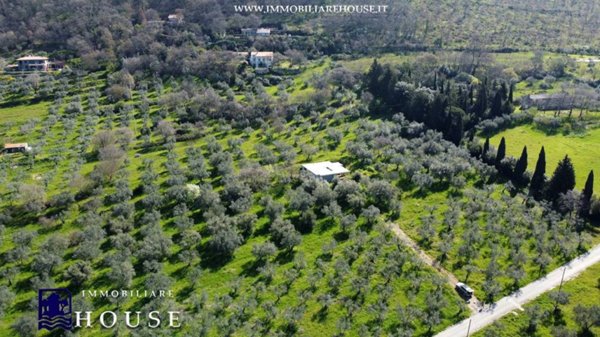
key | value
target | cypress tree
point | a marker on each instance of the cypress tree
(486, 149)
(374, 75)
(538, 180)
(501, 151)
(510, 94)
(563, 179)
(481, 104)
(586, 194)
(456, 126)
(504, 90)
(521, 166)
(496, 109)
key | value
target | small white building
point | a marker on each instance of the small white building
(17, 147)
(256, 31)
(325, 170)
(261, 59)
(175, 19)
(263, 32)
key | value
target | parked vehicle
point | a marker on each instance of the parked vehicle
(464, 290)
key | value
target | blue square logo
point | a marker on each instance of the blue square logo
(55, 309)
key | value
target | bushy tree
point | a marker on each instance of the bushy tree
(25, 326)
(587, 316)
(79, 272)
(563, 179)
(225, 238)
(6, 299)
(121, 273)
(284, 234)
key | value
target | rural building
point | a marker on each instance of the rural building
(33, 63)
(261, 59)
(559, 101)
(547, 101)
(16, 148)
(325, 170)
(263, 32)
(175, 19)
(256, 31)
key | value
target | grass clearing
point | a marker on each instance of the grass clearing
(582, 149)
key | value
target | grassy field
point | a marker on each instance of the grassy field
(583, 290)
(22, 113)
(582, 149)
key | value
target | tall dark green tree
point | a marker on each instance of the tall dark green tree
(563, 179)
(455, 128)
(538, 180)
(521, 166)
(586, 195)
(481, 103)
(374, 76)
(496, 108)
(486, 149)
(501, 153)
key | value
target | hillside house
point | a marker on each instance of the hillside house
(175, 19)
(16, 148)
(263, 32)
(256, 31)
(324, 170)
(33, 63)
(261, 59)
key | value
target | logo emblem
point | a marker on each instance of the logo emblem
(54, 309)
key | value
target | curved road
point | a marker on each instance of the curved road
(525, 294)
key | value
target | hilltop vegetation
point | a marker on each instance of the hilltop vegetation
(132, 29)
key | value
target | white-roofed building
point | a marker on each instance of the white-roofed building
(263, 32)
(256, 31)
(325, 170)
(175, 19)
(17, 147)
(261, 59)
(33, 63)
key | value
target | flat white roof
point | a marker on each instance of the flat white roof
(15, 145)
(262, 54)
(325, 168)
(32, 58)
(263, 30)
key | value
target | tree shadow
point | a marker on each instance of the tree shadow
(285, 256)
(320, 315)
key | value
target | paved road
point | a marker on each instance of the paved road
(452, 280)
(523, 295)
